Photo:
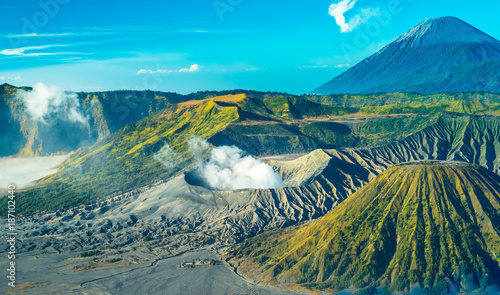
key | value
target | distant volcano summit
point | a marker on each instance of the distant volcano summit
(442, 54)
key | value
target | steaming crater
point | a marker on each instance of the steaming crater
(229, 169)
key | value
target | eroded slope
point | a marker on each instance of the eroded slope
(429, 224)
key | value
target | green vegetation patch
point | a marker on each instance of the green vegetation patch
(331, 133)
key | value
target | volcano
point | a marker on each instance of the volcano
(424, 226)
(439, 55)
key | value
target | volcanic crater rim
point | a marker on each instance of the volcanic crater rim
(436, 163)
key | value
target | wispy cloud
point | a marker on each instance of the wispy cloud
(343, 66)
(325, 66)
(110, 29)
(11, 78)
(192, 68)
(147, 29)
(69, 59)
(338, 9)
(40, 35)
(254, 69)
(22, 51)
(84, 32)
(88, 31)
(204, 31)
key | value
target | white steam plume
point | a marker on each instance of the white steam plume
(166, 156)
(46, 101)
(197, 146)
(338, 9)
(229, 169)
(170, 159)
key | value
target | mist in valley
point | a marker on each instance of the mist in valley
(24, 171)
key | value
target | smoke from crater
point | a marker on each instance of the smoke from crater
(167, 157)
(229, 169)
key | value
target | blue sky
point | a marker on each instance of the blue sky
(185, 45)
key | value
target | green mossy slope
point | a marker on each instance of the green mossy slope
(430, 224)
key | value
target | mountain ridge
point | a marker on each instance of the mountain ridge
(125, 159)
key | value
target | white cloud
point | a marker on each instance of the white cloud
(197, 145)
(167, 156)
(228, 169)
(46, 101)
(144, 71)
(40, 35)
(343, 66)
(338, 9)
(11, 78)
(313, 67)
(254, 69)
(22, 51)
(325, 66)
(24, 171)
(192, 68)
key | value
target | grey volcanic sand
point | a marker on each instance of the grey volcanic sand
(55, 275)
(175, 217)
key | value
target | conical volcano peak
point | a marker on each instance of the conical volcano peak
(444, 30)
(442, 54)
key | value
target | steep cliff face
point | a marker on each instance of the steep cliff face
(35, 136)
(11, 135)
(474, 139)
(427, 225)
(102, 113)
(112, 110)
